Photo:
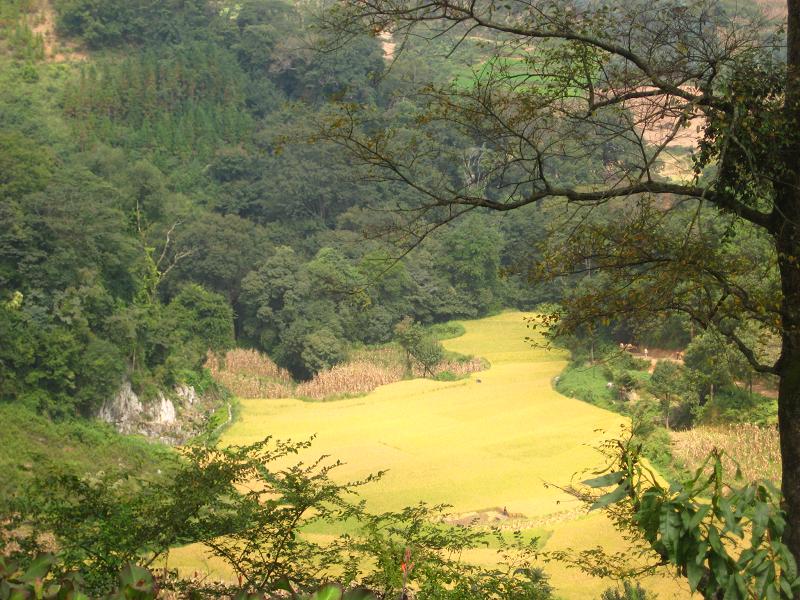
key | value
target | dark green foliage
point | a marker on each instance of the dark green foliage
(470, 254)
(668, 385)
(103, 23)
(625, 383)
(184, 101)
(24, 166)
(349, 73)
(199, 321)
(735, 405)
(54, 365)
(421, 349)
(322, 350)
(162, 196)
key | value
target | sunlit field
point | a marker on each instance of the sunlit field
(490, 441)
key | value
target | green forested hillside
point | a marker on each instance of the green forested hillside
(159, 199)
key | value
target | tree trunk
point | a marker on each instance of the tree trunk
(789, 373)
(789, 425)
(786, 228)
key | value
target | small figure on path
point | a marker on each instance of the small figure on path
(505, 511)
(645, 352)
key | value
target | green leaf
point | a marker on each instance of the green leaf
(772, 593)
(727, 514)
(605, 480)
(699, 516)
(715, 541)
(670, 529)
(760, 521)
(137, 578)
(359, 594)
(610, 498)
(732, 591)
(790, 566)
(328, 592)
(39, 568)
(719, 568)
(694, 572)
(740, 584)
(787, 588)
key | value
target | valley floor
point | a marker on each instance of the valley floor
(483, 444)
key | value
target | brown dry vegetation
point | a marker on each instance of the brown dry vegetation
(248, 362)
(251, 374)
(755, 448)
(348, 379)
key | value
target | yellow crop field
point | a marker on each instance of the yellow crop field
(492, 440)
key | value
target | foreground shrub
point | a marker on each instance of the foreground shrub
(725, 539)
(250, 507)
(135, 583)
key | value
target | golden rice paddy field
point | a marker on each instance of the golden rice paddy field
(492, 440)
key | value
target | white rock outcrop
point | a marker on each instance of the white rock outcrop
(158, 418)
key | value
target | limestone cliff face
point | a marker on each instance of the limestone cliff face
(169, 419)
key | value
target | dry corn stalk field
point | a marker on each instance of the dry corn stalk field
(251, 374)
(350, 378)
(756, 449)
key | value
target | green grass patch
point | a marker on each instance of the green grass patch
(446, 331)
(588, 383)
(33, 445)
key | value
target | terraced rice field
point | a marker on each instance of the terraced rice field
(493, 440)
